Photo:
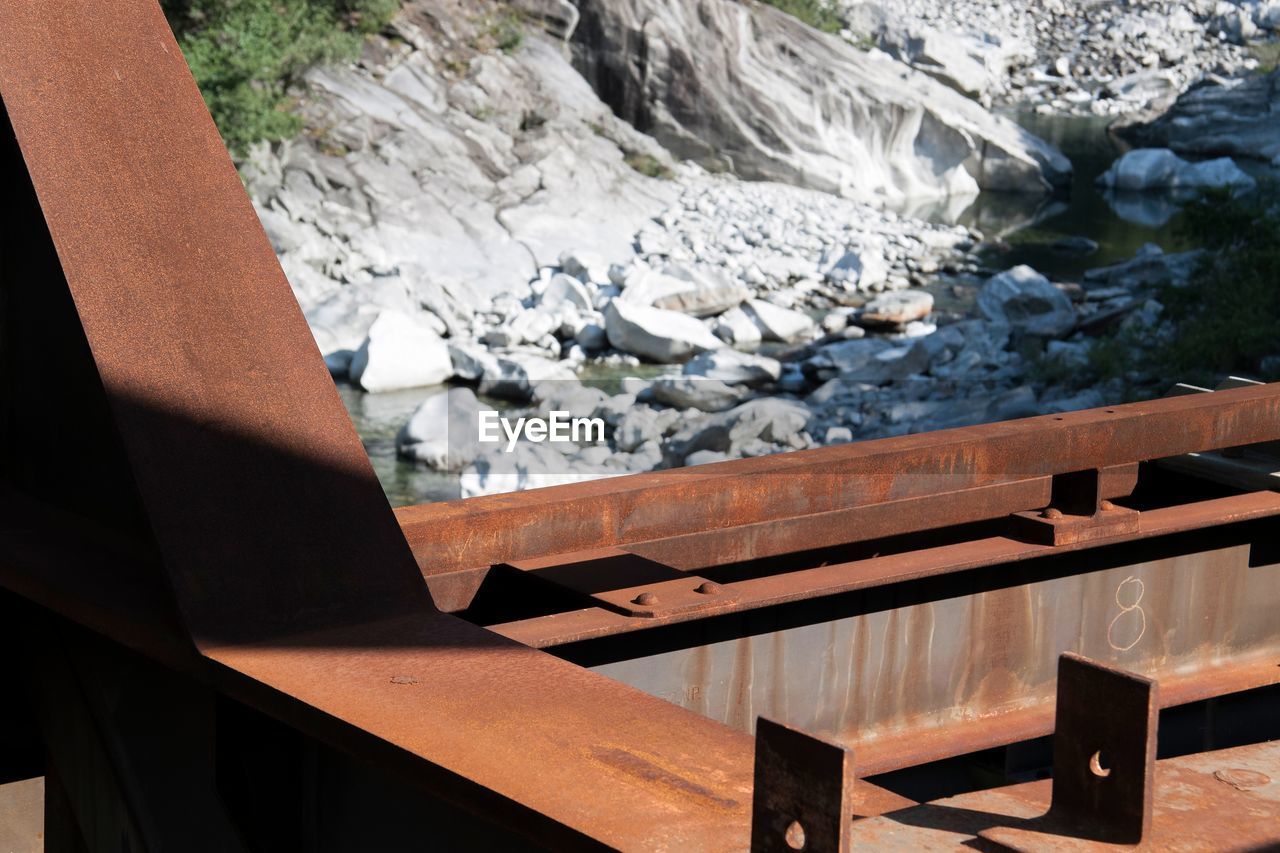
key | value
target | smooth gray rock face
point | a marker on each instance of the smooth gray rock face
(461, 183)
(967, 64)
(340, 321)
(1027, 302)
(747, 88)
(1219, 117)
(558, 17)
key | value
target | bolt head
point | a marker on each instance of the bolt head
(646, 599)
(708, 588)
(1106, 506)
(1051, 512)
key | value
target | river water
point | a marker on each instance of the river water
(1019, 230)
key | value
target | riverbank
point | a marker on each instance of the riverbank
(480, 218)
(843, 378)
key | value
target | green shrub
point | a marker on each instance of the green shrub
(649, 166)
(1228, 317)
(247, 54)
(818, 14)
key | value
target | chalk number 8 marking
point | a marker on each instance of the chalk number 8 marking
(1132, 589)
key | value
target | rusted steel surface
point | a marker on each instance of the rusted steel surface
(286, 565)
(1226, 800)
(737, 544)
(754, 593)
(1104, 752)
(619, 511)
(804, 792)
(913, 745)
(266, 564)
(909, 681)
(22, 816)
(237, 440)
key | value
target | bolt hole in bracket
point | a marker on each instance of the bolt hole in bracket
(1104, 753)
(1104, 758)
(803, 792)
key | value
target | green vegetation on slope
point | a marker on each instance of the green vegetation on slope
(246, 54)
(818, 14)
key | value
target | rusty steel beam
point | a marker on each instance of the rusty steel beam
(588, 623)
(468, 534)
(287, 569)
(265, 562)
(944, 666)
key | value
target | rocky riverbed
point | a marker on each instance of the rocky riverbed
(1090, 57)
(705, 257)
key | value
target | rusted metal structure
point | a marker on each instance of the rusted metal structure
(221, 637)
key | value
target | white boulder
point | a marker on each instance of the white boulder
(1160, 169)
(400, 352)
(1026, 301)
(655, 334)
(693, 392)
(443, 431)
(735, 368)
(897, 309)
(565, 289)
(735, 327)
(519, 376)
(779, 324)
(858, 268)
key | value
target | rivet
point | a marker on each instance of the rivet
(645, 598)
(1051, 512)
(1106, 505)
(708, 588)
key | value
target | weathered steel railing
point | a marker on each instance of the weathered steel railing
(231, 642)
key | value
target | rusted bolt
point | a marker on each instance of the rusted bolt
(646, 599)
(1106, 505)
(1051, 512)
(708, 588)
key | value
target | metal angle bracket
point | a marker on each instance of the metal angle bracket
(803, 792)
(1077, 512)
(1104, 756)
